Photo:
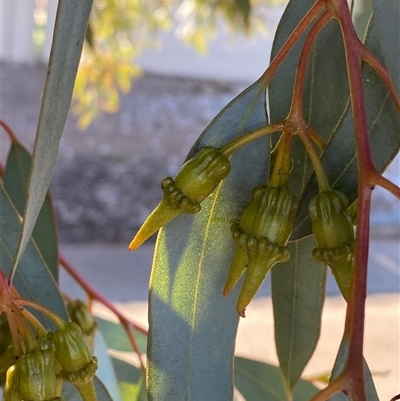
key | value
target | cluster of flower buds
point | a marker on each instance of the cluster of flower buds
(266, 223)
(37, 374)
(261, 238)
(333, 232)
(36, 364)
(194, 182)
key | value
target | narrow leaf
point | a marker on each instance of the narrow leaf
(338, 367)
(192, 326)
(340, 158)
(387, 21)
(131, 381)
(116, 338)
(298, 294)
(33, 279)
(259, 381)
(15, 182)
(70, 393)
(105, 371)
(69, 34)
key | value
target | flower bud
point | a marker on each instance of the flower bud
(261, 236)
(34, 373)
(333, 232)
(80, 314)
(194, 182)
(73, 354)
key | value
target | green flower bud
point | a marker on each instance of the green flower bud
(36, 376)
(80, 314)
(194, 182)
(73, 354)
(261, 236)
(333, 232)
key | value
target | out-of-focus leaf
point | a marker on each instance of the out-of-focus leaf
(33, 279)
(339, 159)
(69, 34)
(192, 326)
(105, 371)
(70, 393)
(338, 367)
(15, 182)
(387, 22)
(260, 381)
(131, 381)
(298, 294)
(116, 338)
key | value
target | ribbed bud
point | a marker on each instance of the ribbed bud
(34, 373)
(333, 232)
(261, 236)
(194, 182)
(73, 354)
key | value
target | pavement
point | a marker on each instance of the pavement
(123, 276)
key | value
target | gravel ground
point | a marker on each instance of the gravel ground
(107, 178)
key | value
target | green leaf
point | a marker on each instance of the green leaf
(298, 294)
(259, 381)
(339, 158)
(15, 182)
(325, 95)
(70, 393)
(69, 34)
(33, 279)
(338, 367)
(132, 383)
(105, 371)
(387, 21)
(298, 286)
(116, 338)
(192, 326)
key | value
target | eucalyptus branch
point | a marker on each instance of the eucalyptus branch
(291, 41)
(373, 61)
(383, 182)
(354, 326)
(323, 182)
(237, 143)
(57, 320)
(297, 98)
(8, 130)
(334, 387)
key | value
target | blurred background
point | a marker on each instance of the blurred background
(153, 75)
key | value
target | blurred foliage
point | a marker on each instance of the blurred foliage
(119, 29)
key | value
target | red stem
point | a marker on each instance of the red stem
(377, 179)
(9, 131)
(373, 61)
(334, 387)
(354, 326)
(290, 42)
(297, 102)
(93, 294)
